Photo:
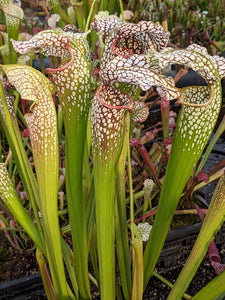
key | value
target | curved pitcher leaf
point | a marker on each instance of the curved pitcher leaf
(42, 123)
(194, 57)
(108, 110)
(107, 123)
(72, 79)
(10, 126)
(10, 198)
(122, 71)
(197, 118)
(125, 39)
(136, 70)
(109, 106)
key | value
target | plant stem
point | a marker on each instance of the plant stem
(122, 243)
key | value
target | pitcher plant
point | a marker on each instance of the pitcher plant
(99, 111)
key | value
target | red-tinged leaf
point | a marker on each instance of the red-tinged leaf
(218, 267)
(212, 250)
(168, 141)
(215, 258)
(202, 177)
(144, 154)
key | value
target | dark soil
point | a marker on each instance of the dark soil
(15, 264)
(156, 290)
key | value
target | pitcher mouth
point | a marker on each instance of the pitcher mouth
(49, 70)
(115, 52)
(180, 101)
(130, 108)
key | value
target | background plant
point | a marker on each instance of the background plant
(195, 22)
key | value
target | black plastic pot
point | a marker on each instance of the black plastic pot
(179, 244)
(174, 254)
(29, 287)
